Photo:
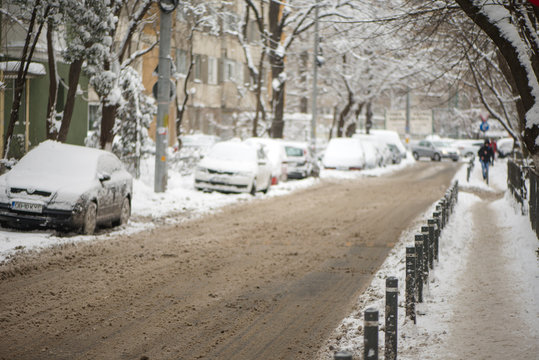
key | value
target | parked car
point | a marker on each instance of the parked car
(66, 186)
(391, 137)
(396, 156)
(300, 161)
(344, 154)
(277, 157)
(504, 147)
(374, 145)
(468, 147)
(199, 141)
(435, 150)
(232, 166)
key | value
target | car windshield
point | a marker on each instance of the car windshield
(232, 152)
(440, 144)
(294, 151)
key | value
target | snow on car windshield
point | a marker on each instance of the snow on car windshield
(440, 144)
(233, 152)
(60, 160)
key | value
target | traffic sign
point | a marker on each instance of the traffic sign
(484, 126)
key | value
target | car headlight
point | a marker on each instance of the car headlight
(201, 169)
(444, 152)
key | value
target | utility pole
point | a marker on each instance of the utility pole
(163, 95)
(315, 81)
(407, 127)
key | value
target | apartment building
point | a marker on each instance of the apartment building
(218, 86)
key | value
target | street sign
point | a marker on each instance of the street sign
(172, 90)
(484, 126)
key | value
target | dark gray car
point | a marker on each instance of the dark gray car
(435, 150)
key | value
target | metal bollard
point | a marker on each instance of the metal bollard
(426, 249)
(437, 235)
(419, 267)
(433, 255)
(442, 204)
(391, 339)
(342, 355)
(410, 282)
(370, 335)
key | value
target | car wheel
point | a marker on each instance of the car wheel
(125, 211)
(416, 155)
(253, 188)
(90, 219)
(436, 157)
(265, 191)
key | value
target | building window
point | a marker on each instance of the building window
(212, 70)
(230, 22)
(239, 73)
(93, 116)
(230, 67)
(197, 68)
(181, 61)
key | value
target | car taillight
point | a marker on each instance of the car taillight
(274, 180)
(355, 168)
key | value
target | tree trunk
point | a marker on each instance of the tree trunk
(74, 75)
(108, 116)
(26, 58)
(368, 118)
(277, 68)
(53, 87)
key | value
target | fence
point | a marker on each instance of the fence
(420, 259)
(517, 172)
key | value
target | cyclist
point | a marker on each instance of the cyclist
(486, 155)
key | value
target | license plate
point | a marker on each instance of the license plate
(24, 206)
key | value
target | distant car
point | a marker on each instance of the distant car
(391, 137)
(344, 154)
(435, 150)
(374, 145)
(300, 162)
(396, 156)
(504, 147)
(232, 166)
(276, 153)
(199, 141)
(66, 186)
(468, 148)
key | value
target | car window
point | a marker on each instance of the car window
(424, 143)
(108, 164)
(293, 151)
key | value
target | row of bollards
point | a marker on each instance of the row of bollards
(420, 259)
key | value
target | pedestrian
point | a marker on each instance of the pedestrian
(492, 145)
(486, 155)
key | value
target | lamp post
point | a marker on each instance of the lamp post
(163, 94)
(315, 80)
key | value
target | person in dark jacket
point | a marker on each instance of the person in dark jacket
(486, 155)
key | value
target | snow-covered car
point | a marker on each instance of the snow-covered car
(232, 166)
(299, 160)
(66, 186)
(374, 146)
(199, 141)
(396, 156)
(390, 137)
(468, 147)
(276, 153)
(344, 154)
(435, 150)
(504, 147)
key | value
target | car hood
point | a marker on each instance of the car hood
(45, 187)
(227, 165)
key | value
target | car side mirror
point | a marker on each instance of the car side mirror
(104, 177)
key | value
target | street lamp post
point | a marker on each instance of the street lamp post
(315, 81)
(163, 95)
